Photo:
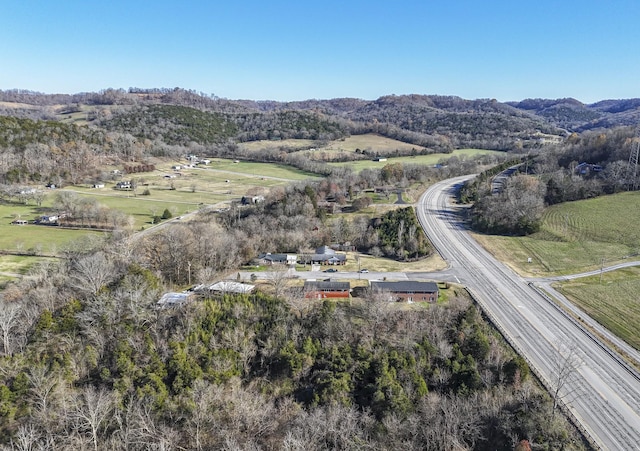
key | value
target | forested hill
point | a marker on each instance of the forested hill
(179, 116)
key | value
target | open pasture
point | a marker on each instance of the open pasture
(220, 182)
(575, 237)
(285, 143)
(261, 171)
(369, 142)
(32, 238)
(427, 160)
(612, 301)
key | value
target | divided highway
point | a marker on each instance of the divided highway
(603, 393)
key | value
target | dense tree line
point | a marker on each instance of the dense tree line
(173, 124)
(87, 363)
(586, 166)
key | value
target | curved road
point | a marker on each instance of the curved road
(602, 393)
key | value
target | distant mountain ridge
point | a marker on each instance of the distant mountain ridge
(431, 121)
(574, 115)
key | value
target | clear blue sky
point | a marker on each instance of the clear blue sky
(295, 50)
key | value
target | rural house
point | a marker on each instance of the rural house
(123, 185)
(407, 290)
(283, 259)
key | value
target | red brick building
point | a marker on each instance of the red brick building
(408, 290)
(326, 289)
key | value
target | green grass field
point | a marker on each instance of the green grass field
(287, 143)
(30, 238)
(612, 302)
(13, 267)
(368, 142)
(575, 237)
(581, 236)
(220, 182)
(427, 160)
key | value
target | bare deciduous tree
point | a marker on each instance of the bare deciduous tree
(9, 315)
(278, 278)
(92, 272)
(92, 410)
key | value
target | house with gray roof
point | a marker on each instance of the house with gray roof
(407, 290)
(326, 289)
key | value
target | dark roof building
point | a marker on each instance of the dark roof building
(408, 290)
(326, 289)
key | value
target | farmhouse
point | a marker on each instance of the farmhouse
(408, 290)
(326, 289)
(283, 259)
(98, 185)
(123, 185)
(51, 219)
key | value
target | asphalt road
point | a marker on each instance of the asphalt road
(602, 393)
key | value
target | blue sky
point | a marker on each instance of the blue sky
(286, 50)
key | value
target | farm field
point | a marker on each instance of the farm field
(261, 171)
(575, 237)
(38, 239)
(428, 160)
(286, 143)
(220, 182)
(369, 142)
(612, 302)
(31, 238)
